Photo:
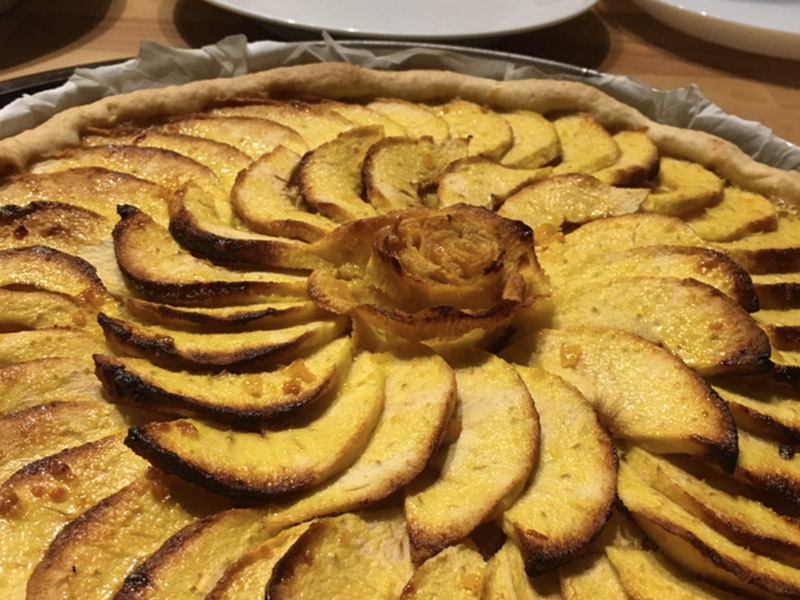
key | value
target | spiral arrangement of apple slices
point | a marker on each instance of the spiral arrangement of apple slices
(307, 348)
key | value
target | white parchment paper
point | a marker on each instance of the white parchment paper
(157, 66)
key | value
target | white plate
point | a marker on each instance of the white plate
(411, 19)
(770, 27)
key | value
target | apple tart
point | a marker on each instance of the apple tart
(325, 330)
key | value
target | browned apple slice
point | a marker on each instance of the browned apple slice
(699, 548)
(373, 564)
(45, 380)
(77, 344)
(683, 188)
(37, 310)
(715, 336)
(489, 134)
(777, 290)
(479, 181)
(43, 497)
(320, 442)
(45, 429)
(782, 327)
(267, 198)
(768, 251)
(181, 349)
(168, 169)
(762, 406)
(420, 395)
(330, 175)
(640, 391)
(766, 464)
(535, 143)
(481, 473)
(638, 161)
(84, 560)
(649, 575)
(60, 226)
(158, 268)
(456, 572)
(585, 144)
(417, 119)
(195, 226)
(253, 136)
(226, 396)
(93, 188)
(189, 563)
(267, 315)
(398, 172)
(570, 493)
(742, 520)
(738, 214)
(570, 198)
(316, 123)
(590, 576)
(506, 578)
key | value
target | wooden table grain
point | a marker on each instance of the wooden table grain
(615, 37)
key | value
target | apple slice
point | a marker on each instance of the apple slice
(188, 564)
(77, 344)
(181, 349)
(683, 188)
(638, 161)
(267, 198)
(777, 290)
(420, 396)
(93, 188)
(322, 441)
(247, 397)
(738, 214)
(158, 268)
(34, 224)
(84, 560)
(479, 181)
(506, 579)
(195, 226)
(417, 119)
(591, 576)
(763, 407)
(535, 143)
(253, 136)
(46, 495)
(398, 172)
(456, 572)
(768, 251)
(374, 563)
(481, 473)
(640, 391)
(364, 116)
(570, 494)
(715, 336)
(585, 144)
(489, 134)
(330, 175)
(782, 327)
(767, 465)
(570, 198)
(37, 310)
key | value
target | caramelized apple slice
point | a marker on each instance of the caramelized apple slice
(84, 560)
(330, 176)
(456, 572)
(417, 119)
(738, 214)
(767, 465)
(479, 181)
(189, 563)
(227, 396)
(489, 134)
(671, 409)
(570, 494)
(778, 290)
(682, 188)
(638, 161)
(535, 143)
(570, 198)
(482, 472)
(92, 188)
(267, 199)
(585, 144)
(322, 441)
(715, 336)
(158, 268)
(46, 495)
(762, 407)
(253, 136)
(373, 564)
(60, 226)
(399, 171)
(768, 251)
(420, 395)
(77, 344)
(194, 225)
(37, 310)
(181, 349)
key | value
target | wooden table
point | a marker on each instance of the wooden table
(615, 37)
